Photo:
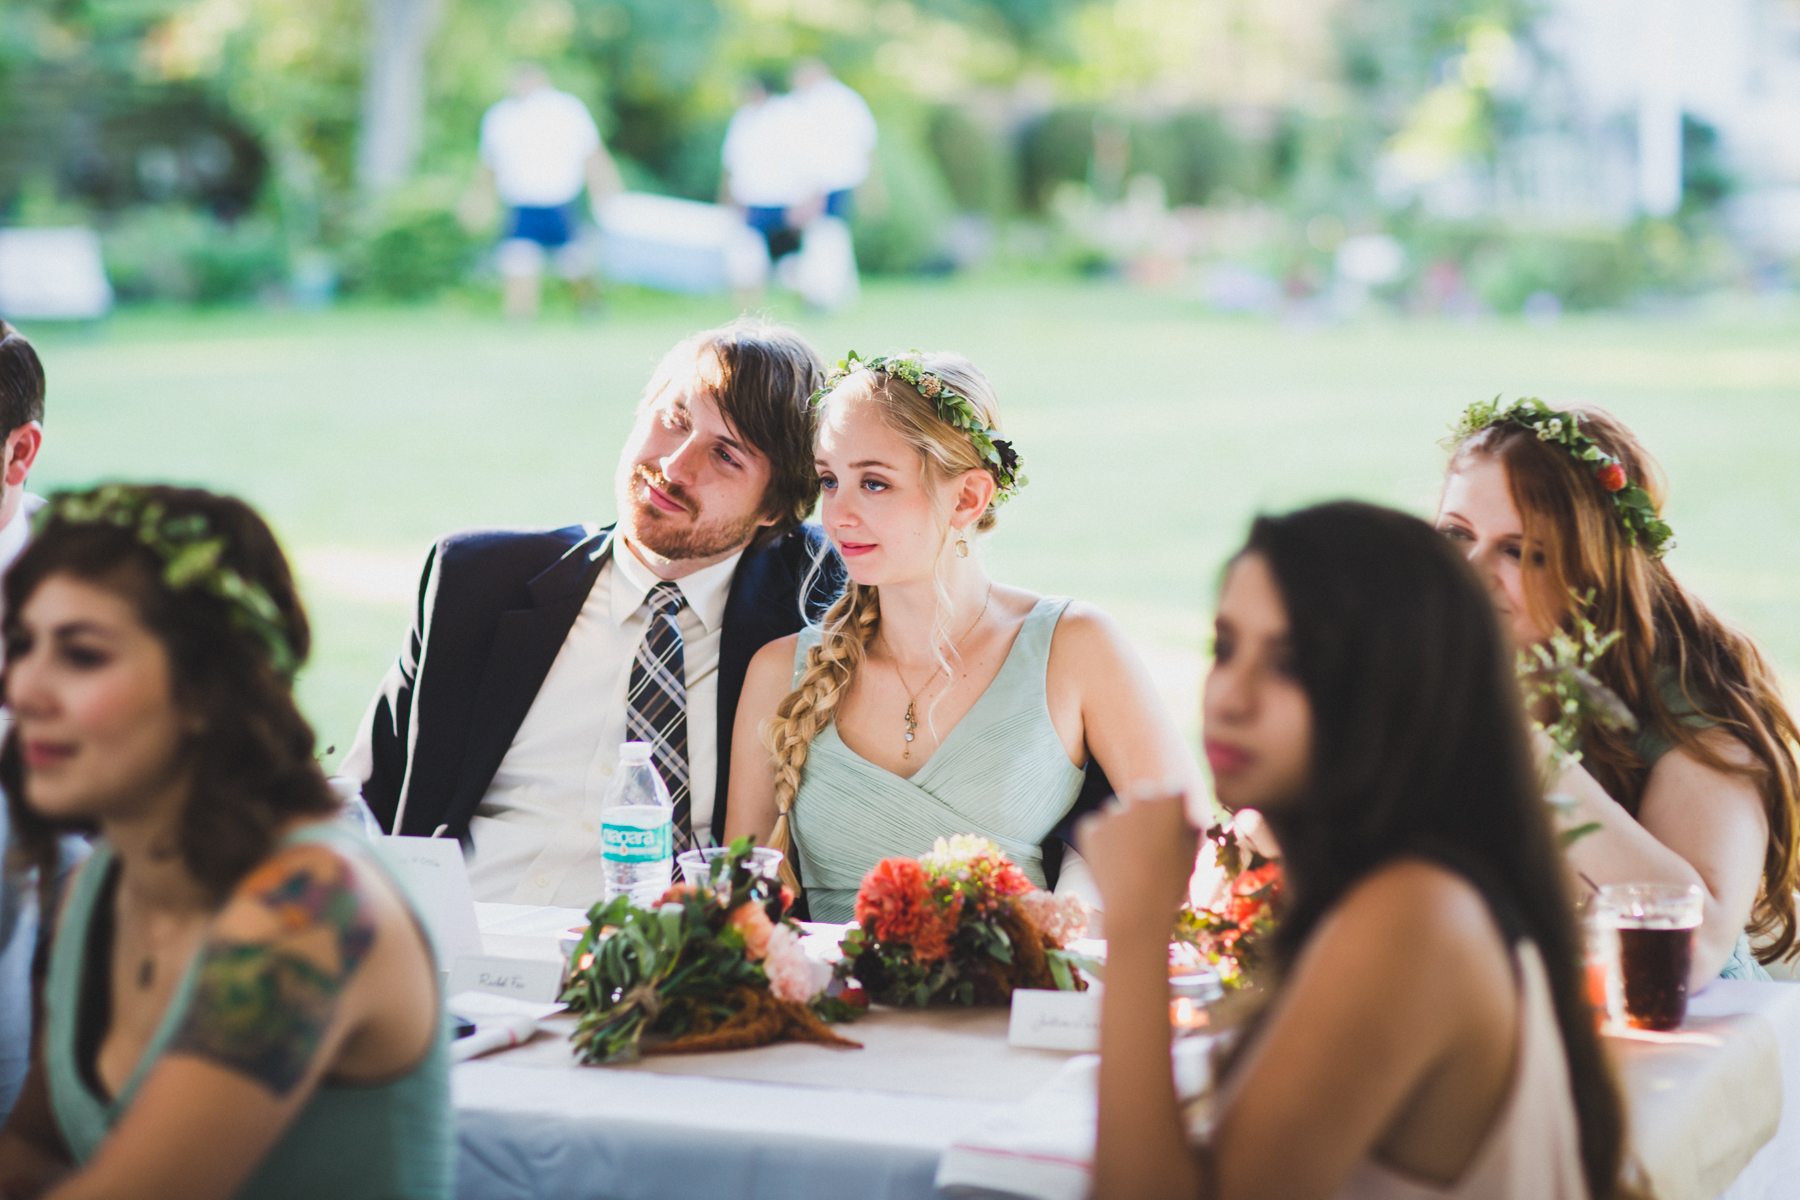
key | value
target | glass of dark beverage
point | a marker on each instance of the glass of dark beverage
(1647, 980)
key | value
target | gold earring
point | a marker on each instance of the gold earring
(962, 543)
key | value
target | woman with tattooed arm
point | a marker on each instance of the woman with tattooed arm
(239, 1001)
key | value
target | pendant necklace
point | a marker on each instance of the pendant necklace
(912, 697)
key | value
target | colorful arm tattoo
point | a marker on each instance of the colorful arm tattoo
(261, 1008)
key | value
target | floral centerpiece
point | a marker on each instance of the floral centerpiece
(960, 925)
(1231, 928)
(719, 967)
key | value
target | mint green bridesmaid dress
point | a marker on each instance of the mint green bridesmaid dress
(1001, 772)
(388, 1141)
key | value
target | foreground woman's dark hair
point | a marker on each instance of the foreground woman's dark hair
(1420, 749)
(251, 761)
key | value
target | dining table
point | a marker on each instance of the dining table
(793, 1121)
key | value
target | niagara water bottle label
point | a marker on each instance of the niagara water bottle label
(629, 837)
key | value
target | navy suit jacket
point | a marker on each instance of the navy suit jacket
(493, 609)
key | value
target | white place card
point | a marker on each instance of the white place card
(534, 980)
(434, 876)
(1052, 1020)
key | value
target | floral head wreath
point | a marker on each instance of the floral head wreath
(190, 552)
(1637, 512)
(953, 408)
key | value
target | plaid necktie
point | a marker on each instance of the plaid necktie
(656, 705)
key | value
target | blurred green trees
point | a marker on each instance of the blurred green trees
(216, 142)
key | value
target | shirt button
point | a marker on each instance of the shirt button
(587, 826)
(542, 881)
(606, 770)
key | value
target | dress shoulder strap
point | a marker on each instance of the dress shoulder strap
(1028, 662)
(809, 637)
(79, 1113)
(1040, 625)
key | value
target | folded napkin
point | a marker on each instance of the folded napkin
(1043, 1146)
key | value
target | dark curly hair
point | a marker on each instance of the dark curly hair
(251, 761)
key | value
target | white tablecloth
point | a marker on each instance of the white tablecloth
(797, 1122)
(1774, 1172)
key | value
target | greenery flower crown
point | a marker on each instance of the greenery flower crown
(190, 552)
(1637, 512)
(953, 408)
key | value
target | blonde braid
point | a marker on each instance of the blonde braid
(844, 636)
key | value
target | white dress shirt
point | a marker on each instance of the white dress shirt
(536, 832)
(767, 156)
(18, 530)
(538, 146)
(839, 132)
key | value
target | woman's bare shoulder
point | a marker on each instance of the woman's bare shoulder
(1086, 630)
(1413, 910)
(777, 657)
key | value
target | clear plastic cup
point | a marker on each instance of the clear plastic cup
(696, 865)
(1652, 925)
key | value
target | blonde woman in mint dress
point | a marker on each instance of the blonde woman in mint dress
(240, 1001)
(931, 700)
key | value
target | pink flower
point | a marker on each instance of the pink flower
(790, 972)
(1059, 918)
(750, 920)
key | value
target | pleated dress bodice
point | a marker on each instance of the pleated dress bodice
(1001, 772)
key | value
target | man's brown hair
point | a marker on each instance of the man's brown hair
(763, 377)
(21, 381)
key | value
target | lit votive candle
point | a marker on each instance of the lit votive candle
(1188, 997)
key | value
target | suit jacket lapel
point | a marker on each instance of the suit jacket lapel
(526, 643)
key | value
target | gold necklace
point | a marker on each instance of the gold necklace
(912, 697)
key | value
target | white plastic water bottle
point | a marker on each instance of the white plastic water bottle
(637, 831)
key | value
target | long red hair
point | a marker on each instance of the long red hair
(1570, 520)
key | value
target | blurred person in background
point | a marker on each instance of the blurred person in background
(22, 413)
(834, 130)
(766, 172)
(1554, 507)
(533, 652)
(240, 1000)
(539, 148)
(838, 131)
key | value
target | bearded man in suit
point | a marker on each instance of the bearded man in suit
(534, 653)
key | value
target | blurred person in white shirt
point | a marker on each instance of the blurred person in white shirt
(539, 148)
(838, 133)
(767, 174)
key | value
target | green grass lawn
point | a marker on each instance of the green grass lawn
(1154, 432)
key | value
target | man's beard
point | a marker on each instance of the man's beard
(670, 535)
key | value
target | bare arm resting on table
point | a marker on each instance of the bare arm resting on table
(275, 1001)
(1695, 825)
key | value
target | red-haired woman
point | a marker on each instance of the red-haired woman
(1554, 506)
